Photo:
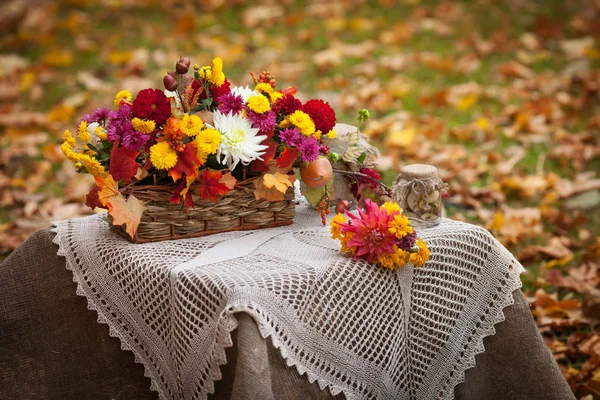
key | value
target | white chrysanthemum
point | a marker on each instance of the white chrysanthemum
(240, 142)
(244, 91)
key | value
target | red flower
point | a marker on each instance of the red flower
(222, 90)
(152, 104)
(321, 113)
(288, 104)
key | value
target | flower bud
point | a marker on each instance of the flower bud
(170, 82)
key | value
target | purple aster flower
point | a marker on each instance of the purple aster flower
(119, 123)
(98, 115)
(407, 241)
(265, 122)
(309, 149)
(230, 103)
(135, 140)
(290, 136)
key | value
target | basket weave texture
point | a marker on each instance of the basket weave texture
(237, 210)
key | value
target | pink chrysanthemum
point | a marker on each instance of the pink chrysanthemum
(290, 136)
(230, 103)
(309, 148)
(265, 122)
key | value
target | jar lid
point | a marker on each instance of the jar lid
(419, 172)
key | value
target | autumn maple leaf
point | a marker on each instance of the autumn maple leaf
(124, 211)
(187, 163)
(287, 158)
(128, 212)
(183, 190)
(92, 200)
(210, 185)
(273, 186)
(122, 163)
(108, 189)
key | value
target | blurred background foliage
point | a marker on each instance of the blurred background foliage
(502, 96)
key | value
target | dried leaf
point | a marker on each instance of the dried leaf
(122, 163)
(126, 212)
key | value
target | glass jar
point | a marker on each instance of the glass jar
(418, 190)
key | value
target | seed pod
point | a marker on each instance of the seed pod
(182, 65)
(170, 82)
(342, 206)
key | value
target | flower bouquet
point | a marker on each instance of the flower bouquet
(202, 156)
(381, 235)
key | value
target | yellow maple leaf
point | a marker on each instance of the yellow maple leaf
(279, 181)
(272, 192)
(108, 189)
(128, 212)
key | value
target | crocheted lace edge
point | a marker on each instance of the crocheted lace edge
(488, 330)
(101, 318)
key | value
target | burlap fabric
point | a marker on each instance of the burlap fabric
(51, 347)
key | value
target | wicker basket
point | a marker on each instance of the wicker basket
(237, 210)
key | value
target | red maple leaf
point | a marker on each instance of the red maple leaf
(261, 166)
(92, 200)
(183, 191)
(209, 186)
(187, 162)
(287, 158)
(122, 163)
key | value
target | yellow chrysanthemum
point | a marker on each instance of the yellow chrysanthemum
(162, 156)
(68, 151)
(143, 126)
(268, 90)
(101, 133)
(259, 104)
(92, 165)
(387, 260)
(191, 125)
(275, 96)
(400, 226)
(82, 132)
(391, 207)
(202, 156)
(420, 257)
(217, 77)
(344, 242)
(401, 257)
(122, 95)
(332, 134)
(303, 122)
(398, 259)
(264, 87)
(336, 230)
(68, 138)
(208, 141)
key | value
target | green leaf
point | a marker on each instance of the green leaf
(314, 195)
(362, 157)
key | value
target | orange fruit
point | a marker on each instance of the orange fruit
(316, 173)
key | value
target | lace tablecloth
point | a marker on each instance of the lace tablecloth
(355, 328)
